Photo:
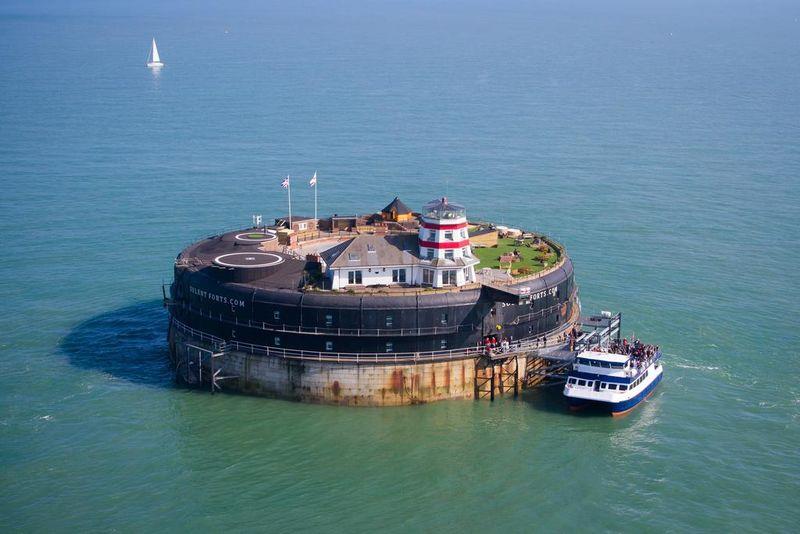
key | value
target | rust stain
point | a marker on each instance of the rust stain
(415, 383)
(336, 388)
(463, 375)
(433, 380)
(447, 377)
(397, 380)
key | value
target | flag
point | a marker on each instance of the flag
(313, 180)
(285, 183)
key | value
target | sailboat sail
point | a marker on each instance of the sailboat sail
(154, 53)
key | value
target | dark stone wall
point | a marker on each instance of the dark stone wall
(366, 323)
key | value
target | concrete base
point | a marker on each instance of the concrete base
(327, 382)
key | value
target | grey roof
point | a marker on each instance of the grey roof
(398, 205)
(374, 251)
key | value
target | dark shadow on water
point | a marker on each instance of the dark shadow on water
(551, 399)
(129, 343)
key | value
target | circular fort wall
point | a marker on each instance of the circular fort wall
(346, 322)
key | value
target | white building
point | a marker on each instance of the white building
(438, 256)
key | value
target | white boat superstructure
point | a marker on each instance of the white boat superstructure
(153, 59)
(618, 381)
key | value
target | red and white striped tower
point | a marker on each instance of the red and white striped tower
(444, 245)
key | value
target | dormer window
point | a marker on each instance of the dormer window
(354, 256)
(371, 249)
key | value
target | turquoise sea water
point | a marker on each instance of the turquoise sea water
(659, 141)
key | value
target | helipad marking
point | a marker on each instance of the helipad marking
(267, 237)
(229, 260)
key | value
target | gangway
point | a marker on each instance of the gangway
(544, 361)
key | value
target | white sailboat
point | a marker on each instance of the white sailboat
(153, 59)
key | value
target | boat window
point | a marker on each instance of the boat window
(571, 380)
(589, 383)
(277, 341)
(623, 387)
(603, 385)
(581, 382)
(329, 346)
(612, 386)
(389, 346)
(276, 315)
(329, 320)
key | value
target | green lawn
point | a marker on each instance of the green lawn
(531, 257)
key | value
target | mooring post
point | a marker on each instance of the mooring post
(491, 389)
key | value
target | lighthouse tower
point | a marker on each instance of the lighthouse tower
(444, 251)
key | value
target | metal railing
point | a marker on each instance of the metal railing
(331, 331)
(522, 346)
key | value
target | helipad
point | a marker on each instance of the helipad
(248, 260)
(255, 237)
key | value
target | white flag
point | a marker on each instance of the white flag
(313, 180)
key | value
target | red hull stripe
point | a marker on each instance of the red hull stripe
(434, 226)
(446, 244)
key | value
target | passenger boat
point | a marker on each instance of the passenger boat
(616, 381)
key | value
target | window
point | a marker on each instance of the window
(465, 252)
(603, 385)
(449, 277)
(581, 382)
(276, 315)
(589, 383)
(448, 236)
(612, 387)
(329, 320)
(443, 318)
(429, 254)
(354, 277)
(443, 344)
(353, 256)
(432, 235)
(389, 321)
(427, 276)
(466, 275)
(571, 380)
(399, 276)
(464, 233)
(302, 226)
(389, 346)
(277, 341)
(623, 387)
(329, 346)
(448, 254)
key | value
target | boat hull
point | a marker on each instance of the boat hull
(616, 408)
(153, 65)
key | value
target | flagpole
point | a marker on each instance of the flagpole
(289, 188)
(316, 184)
